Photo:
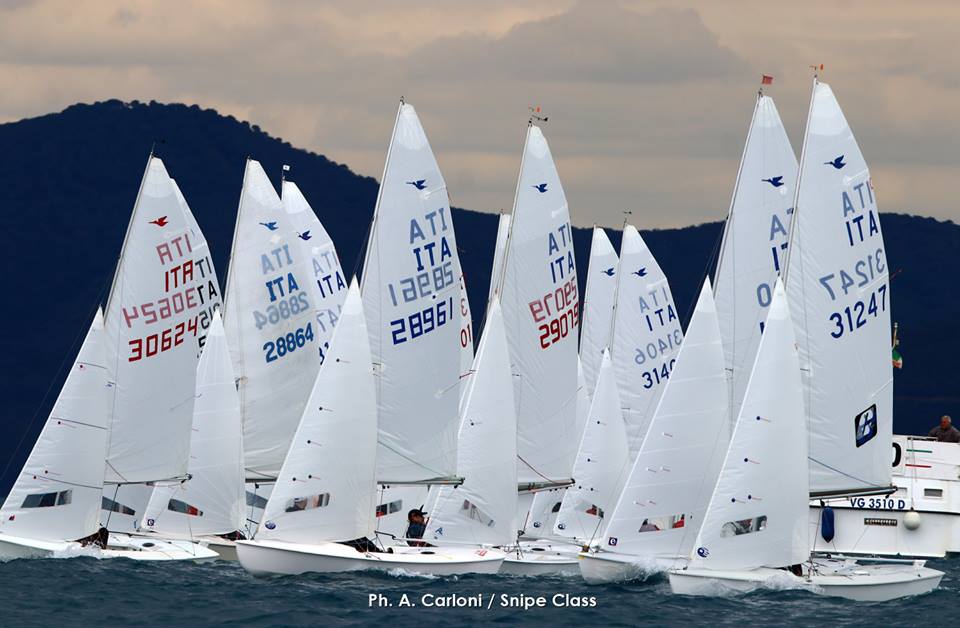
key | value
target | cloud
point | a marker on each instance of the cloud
(649, 100)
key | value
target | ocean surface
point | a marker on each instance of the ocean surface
(89, 592)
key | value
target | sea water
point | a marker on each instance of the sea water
(84, 591)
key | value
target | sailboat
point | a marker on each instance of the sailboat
(481, 512)
(210, 505)
(755, 532)
(669, 483)
(321, 512)
(541, 303)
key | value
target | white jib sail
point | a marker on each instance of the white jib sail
(541, 511)
(56, 497)
(646, 334)
(212, 501)
(326, 490)
(837, 281)
(411, 296)
(598, 303)
(327, 287)
(496, 272)
(270, 323)
(758, 513)
(483, 509)
(669, 486)
(754, 246)
(541, 308)
(154, 322)
(601, 464)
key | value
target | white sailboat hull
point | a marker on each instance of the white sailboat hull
(538, 558)
(263, 558)
(861, 583)
(118, 546)
(609, 567)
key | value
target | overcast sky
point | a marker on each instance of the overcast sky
(648, 101)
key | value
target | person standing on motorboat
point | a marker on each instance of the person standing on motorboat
(945, 432)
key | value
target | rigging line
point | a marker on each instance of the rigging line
(438, 474)
(852, 477)
(520, 458)
(114, 503)
(46, 395)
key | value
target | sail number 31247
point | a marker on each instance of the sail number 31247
(855, 316)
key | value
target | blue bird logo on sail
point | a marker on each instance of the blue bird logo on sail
(304, 236)
(703, 552)
(608, 272)
(836, 163)
(540, 187)
(641, 272)
(272, 225)
(419, 183)
(774, 181)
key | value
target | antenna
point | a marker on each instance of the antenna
(626, 213)
(817, 69)
(535, 115)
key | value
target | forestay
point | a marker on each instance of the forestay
(759, 510)
(669, 486)
(601, 465)
(412, 299)
(327, 490)
(212, 500)
(541, 311)
(270, 324)
(56, 497)
(646, 335)
(754, 241)
(483, 509)
(327, 287)
(598, 304)
(163, 297)
(838, 286)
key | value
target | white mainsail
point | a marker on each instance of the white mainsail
(154, 321)
(646, 335)
(328, 287)
(326, 490)
(270, 323)
(837, 281)
(671, 480)
(56, 497)
(541, 307)
(496, 272)
(601, 464)
(212, 500)
(754, 241)
(483, 509)
(411, 296)
(758, 512)
(598, 303)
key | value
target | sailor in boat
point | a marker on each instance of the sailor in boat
(945, 432)
(416, 526)
(646, 526)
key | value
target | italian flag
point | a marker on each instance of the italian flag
(897, 359)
